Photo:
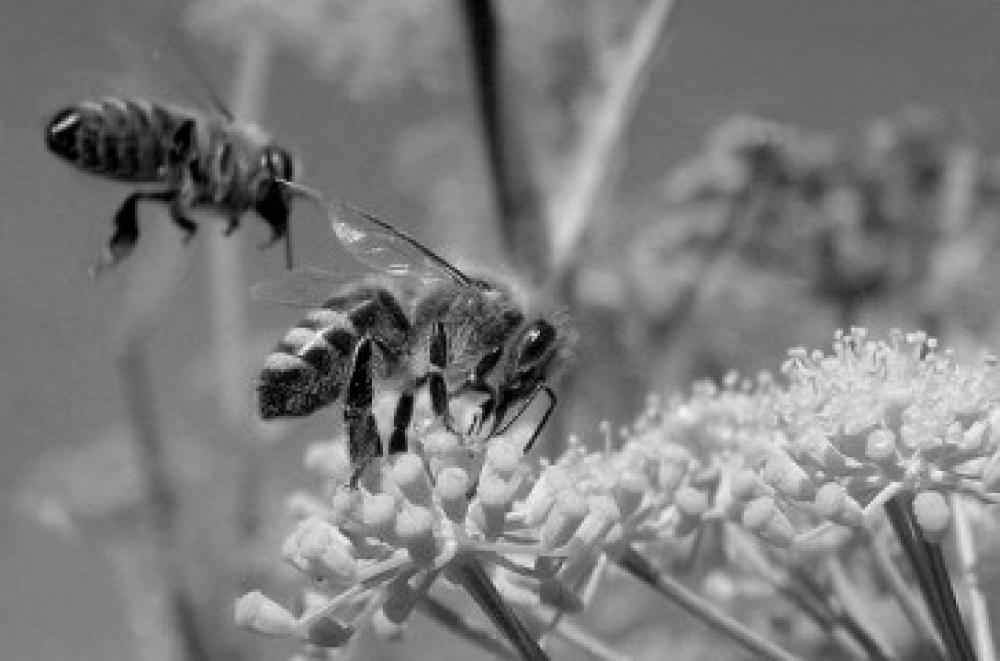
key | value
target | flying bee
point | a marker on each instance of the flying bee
(432, 328)
(198, 162)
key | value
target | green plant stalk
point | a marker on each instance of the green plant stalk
(515, 190)
(914, 610)
(932, 575)
(636, 565)
(979, 613)
(468, 572)
(462, 627)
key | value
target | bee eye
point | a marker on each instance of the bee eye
(535, 343)
(277, 162)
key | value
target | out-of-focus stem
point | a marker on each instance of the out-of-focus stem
(518, 198)
(913, 609)
(851, 617)
(572, 208)
(227, 296)
(227, 288)
(636, 565)
(133, 364)
(980, 615)
(932, 575)
(146, 598)
(469, 573)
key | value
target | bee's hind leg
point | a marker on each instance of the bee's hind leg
(126, 229)
(364, 443)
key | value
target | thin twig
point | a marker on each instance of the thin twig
(979, 612)
(932, 575)
(914, 610)
(461, 626)
(636, 565)
(518, 199)
(572, 208)
(850, 616)
(469, 573)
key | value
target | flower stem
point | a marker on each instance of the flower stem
(636, 565)
(932, 575)
(966, 543)
(462, 627)
(468, 572)
(913, 609)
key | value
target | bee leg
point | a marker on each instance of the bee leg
(274, 209)
(126, 229)
(436, 385)
(232, 225)
(401, 421)
(545, 417)
(183, 143)
(364, 443)
(178, 213)
(502, 408)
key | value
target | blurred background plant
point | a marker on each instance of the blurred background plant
(555, 140)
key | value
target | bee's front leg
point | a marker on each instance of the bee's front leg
(364, 443)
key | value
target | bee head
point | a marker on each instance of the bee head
(276, 163)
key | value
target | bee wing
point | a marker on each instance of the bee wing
(306, 287)
(378, 244)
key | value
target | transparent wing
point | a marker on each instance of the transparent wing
(378, 244)
(306, 287)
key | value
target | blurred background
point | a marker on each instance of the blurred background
(777, 170)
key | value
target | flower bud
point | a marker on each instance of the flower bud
(763, 517)
(881, 445)
(409, 475)
(329, 460)
(789, 479)
(452, 490)
(691, 504)
(502, 458)
(415, 531)
(379, 516)
(832, 502)
(492, 504)
(328, 633)
(563, 519)
(933, 515)
(629, 492)
(259, 613)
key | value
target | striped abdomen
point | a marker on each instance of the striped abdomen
(309, 367)
(123, 139)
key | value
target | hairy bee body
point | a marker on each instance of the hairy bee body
(436, 331)
(310, 367)
(126, 140)
(200, 163)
